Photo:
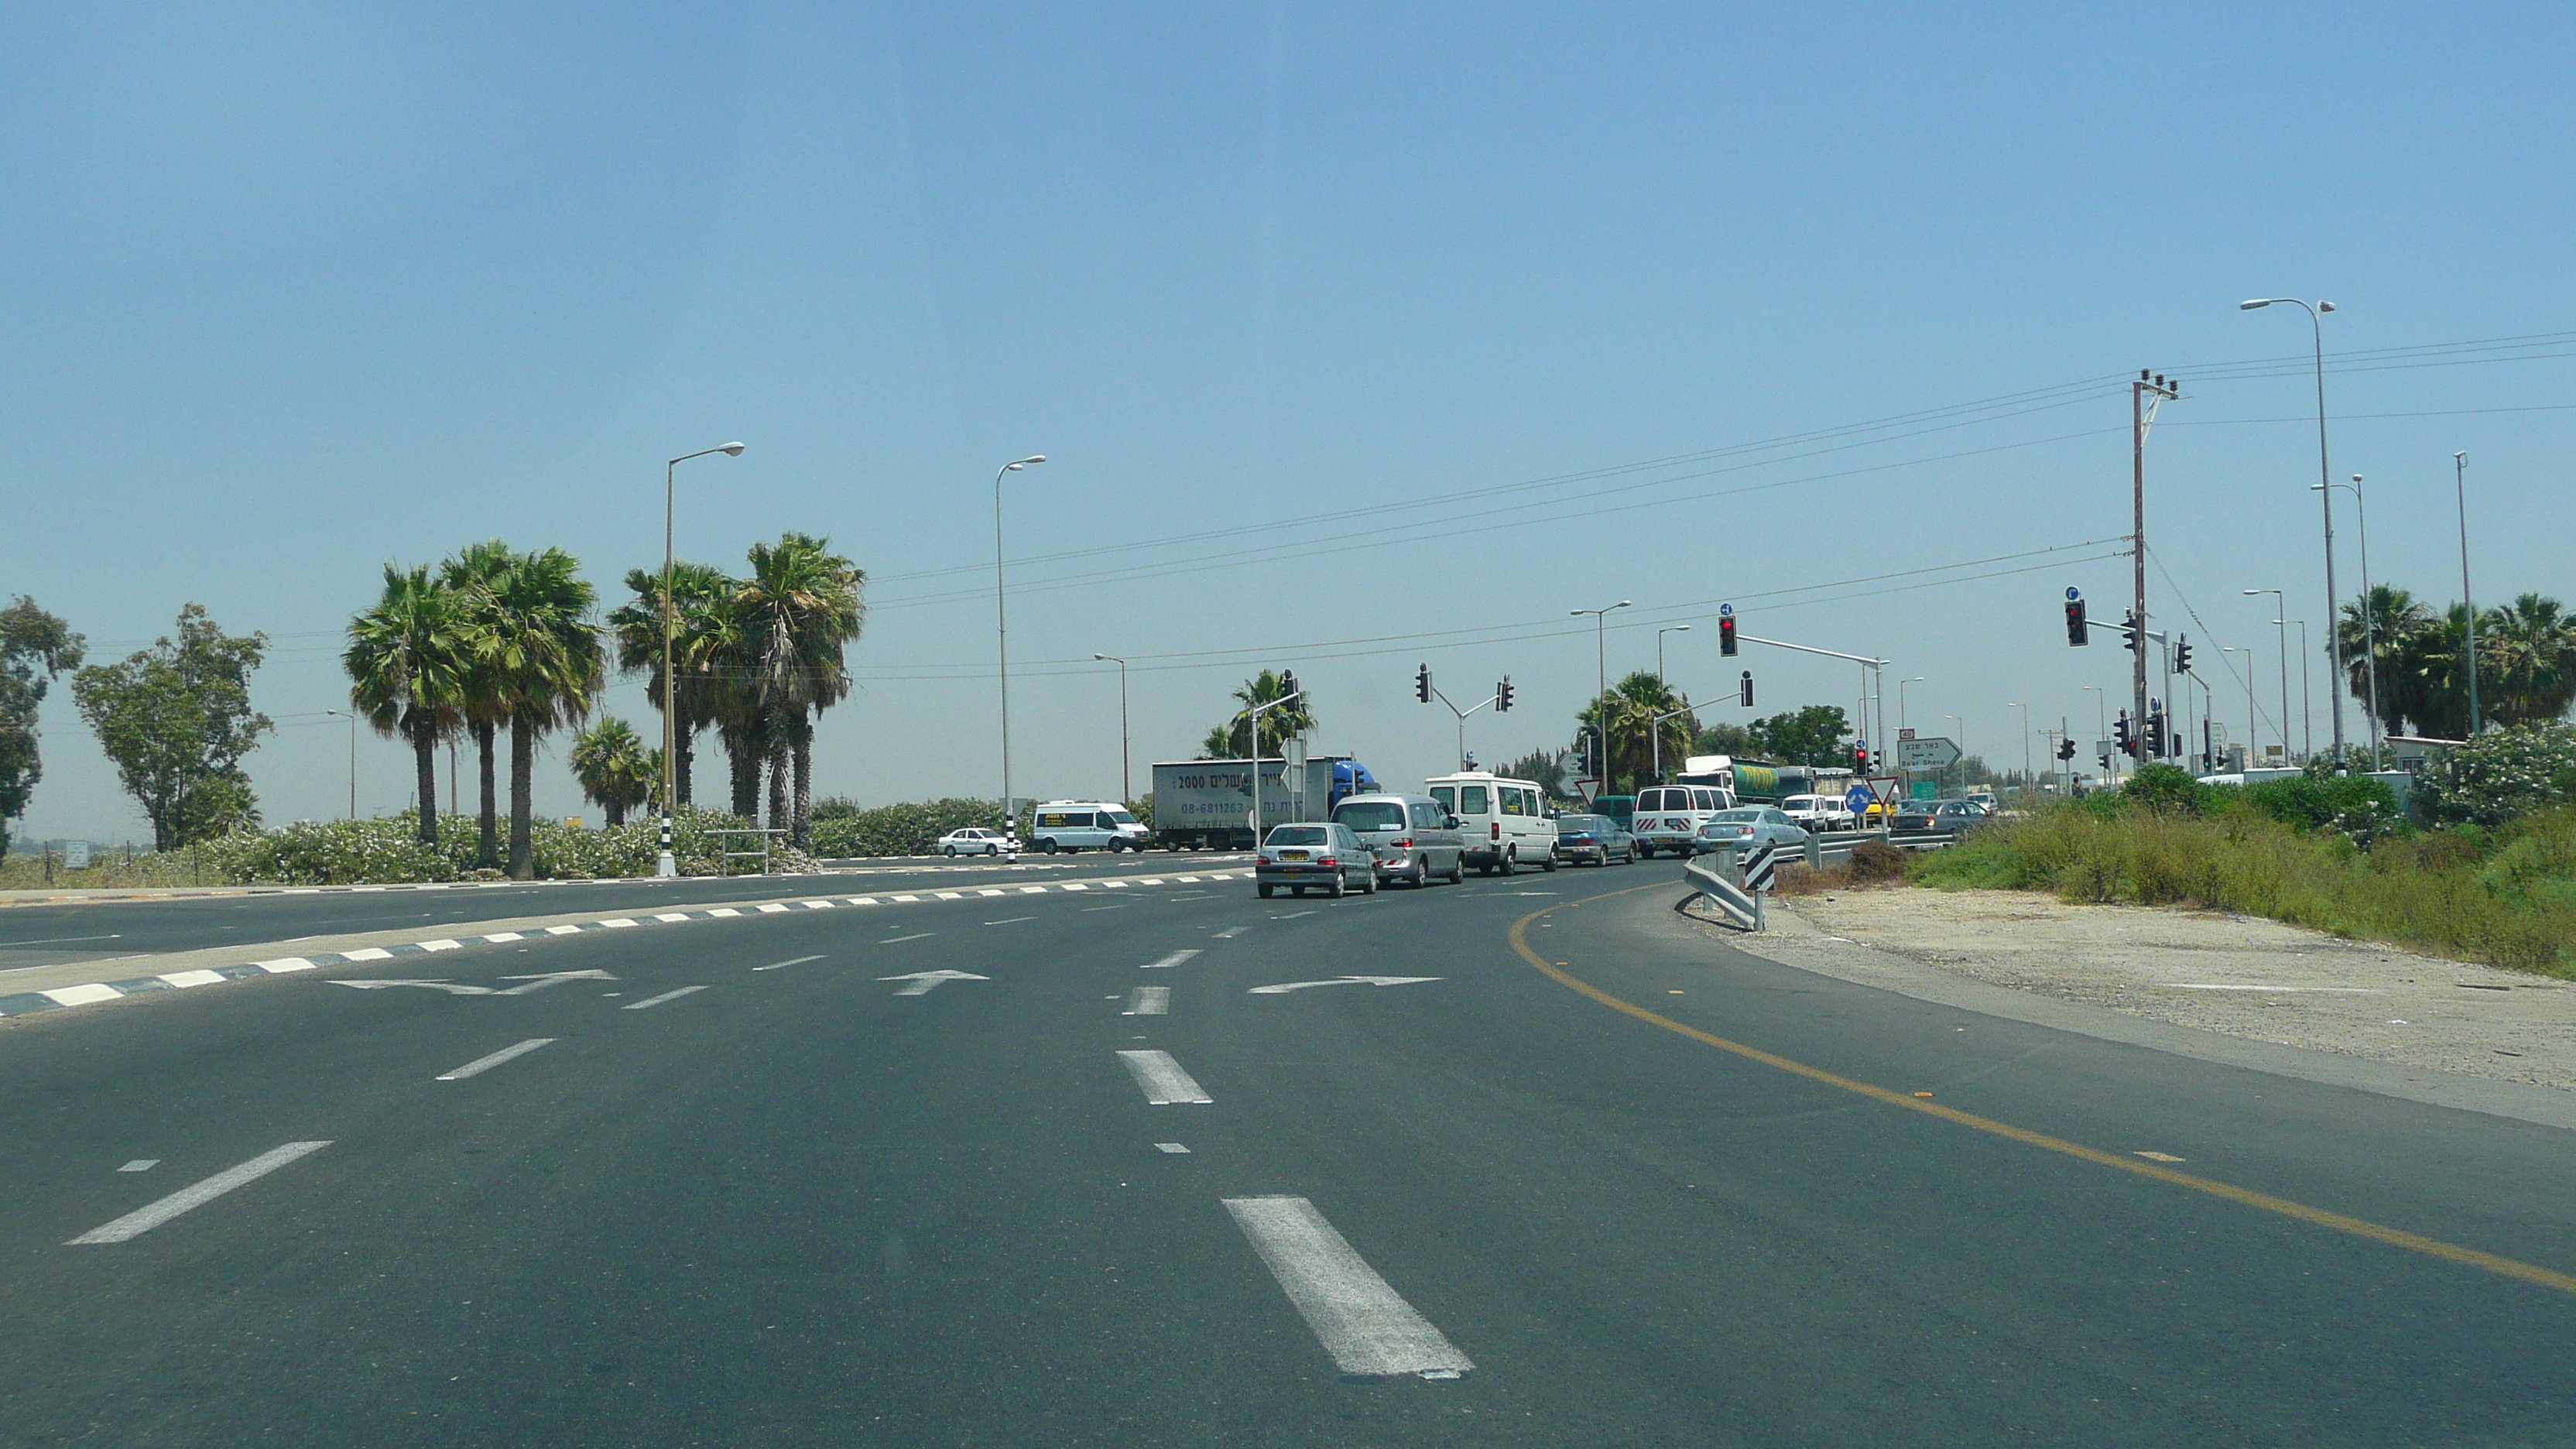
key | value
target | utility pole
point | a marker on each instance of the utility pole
(2145, 395)
(2468, 601)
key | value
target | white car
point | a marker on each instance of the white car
(1818, 813)
(970, 841)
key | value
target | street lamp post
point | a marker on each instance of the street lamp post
(1126, 788)
(2281, 625)
(2249, 699)
(1655, 729)
(2468, 601)
(2027, 779)
(2334, 640)
(1900, 701)
(2369, 617)
(666, 864)
(1002, 646)
(1685, 628)
(353, 758)
(2102, 724)
(1601, 669)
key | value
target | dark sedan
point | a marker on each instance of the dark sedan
(1913, 815)
(1594, 838)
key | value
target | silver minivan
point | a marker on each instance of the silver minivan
(1413, 838)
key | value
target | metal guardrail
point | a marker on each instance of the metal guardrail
(1827, 847)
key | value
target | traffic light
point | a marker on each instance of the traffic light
(2129, 630)
(1503, 695)
(1422, 684)
(1287, 683)
(2077, 633)
(2066, 749)
(2105, 761)
(2155, 735)
(1860, 758)
(1726, 635)
(2182, 655)
(1744, 693)
(2121, 737)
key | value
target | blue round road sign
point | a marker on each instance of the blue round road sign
(1858, 800)
(2073, 593)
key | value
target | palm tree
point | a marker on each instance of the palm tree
(2532, 645)
(548, 660)
(473, 576)
(799, 610)
(1627, 708)
(1233, 739)
(701, 601)
(409, 661)
(2388, 629)
(615, 768)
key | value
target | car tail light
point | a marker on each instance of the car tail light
(1399, 845)
(1328, 860)
(1498, 830)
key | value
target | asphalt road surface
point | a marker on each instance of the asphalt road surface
(1068, 1170)
(47, 934)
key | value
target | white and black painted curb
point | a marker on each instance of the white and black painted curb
(89, 992)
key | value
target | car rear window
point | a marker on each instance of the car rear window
(1580, 824)
(1748, 816)
(1298, 835)
(1372, 814)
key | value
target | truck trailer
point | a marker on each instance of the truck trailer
(1207, 804)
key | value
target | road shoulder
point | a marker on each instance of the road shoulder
(2353, 1015)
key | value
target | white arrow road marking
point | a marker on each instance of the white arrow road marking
(1162, 1078)
(141, 1164)
(1149, 1001)
(1287, 986)
(1362, 1323)
(1175, 959)
(144, 1219)
(449, 986)
(543, 979)
(1229, 933)
(791, 961)
(658, 1000)
(1174, 1148)
(922, 983)
(480, 1065)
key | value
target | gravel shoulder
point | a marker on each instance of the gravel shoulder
(2247, 991)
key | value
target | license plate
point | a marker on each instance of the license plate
(1292, 855)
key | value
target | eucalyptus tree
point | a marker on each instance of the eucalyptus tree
(35, 648)
(410, 658)
(799, 610)
(176, 719)
(548, 664)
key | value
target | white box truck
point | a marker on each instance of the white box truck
(1207, 804)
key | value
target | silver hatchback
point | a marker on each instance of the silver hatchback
(1323, 857)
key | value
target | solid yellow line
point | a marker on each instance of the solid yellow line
(2321, 1217)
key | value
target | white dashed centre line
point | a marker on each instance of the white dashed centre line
(790, 961)
(899, 940)
(658, 1000)
(1362, 1322)
(1149, 1001)
(1010, 920)
(1175, 959)
(1172, 1147)
(1161, 1078)
(480, 1065)
(144, 1219)
(1229, 933)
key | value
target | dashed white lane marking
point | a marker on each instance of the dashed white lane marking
(1162, 1079)
(1230, 932)
(1172, 1147)
(1175, 959)
(1362, 1323)
(1149, 1001)
(1010, 920)
(899, 940)
(81, 995)
(1033, 890)
(480, 1065)
(368, 953)
(791, 961)
(563, 930)
(948, 895)
(1293, 915)
(515, 936)
(141, 1164)
(185, 979)
(658, 1000)
(152, 1215)
(922, 983)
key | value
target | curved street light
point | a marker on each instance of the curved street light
(1002, 644)
(2325, 475)
(665, 864)
(1601, 667)
(1126, 787)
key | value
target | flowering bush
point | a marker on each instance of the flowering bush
(2504, 774)
(908, 829)
(387, 851)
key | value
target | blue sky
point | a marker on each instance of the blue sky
(293, 292)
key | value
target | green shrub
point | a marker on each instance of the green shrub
(908, 829)
(387, 851)
(2502, 775)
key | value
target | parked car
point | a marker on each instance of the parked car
(1413, 837)
(1503, 823)
(1748, 826)
(970, 841)
(1818, 812)
(1323, 856)
(1085, 825)
(1596, 838)
(1668, 817)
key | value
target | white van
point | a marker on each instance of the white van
(1085, 825)
(1503, 824)
(1669, 816)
